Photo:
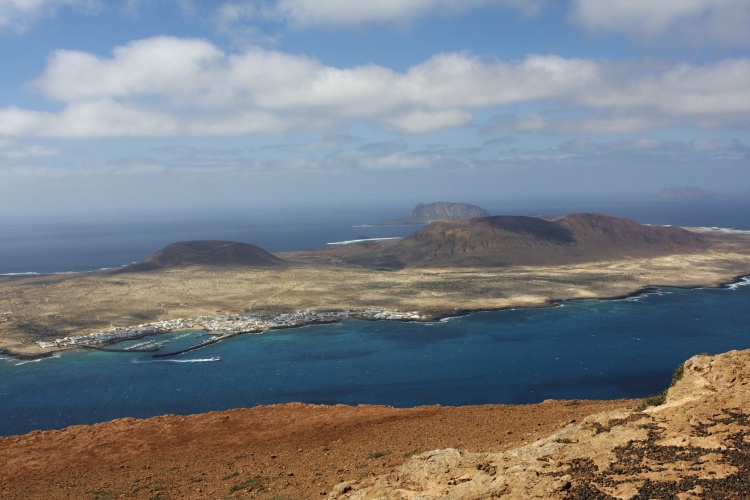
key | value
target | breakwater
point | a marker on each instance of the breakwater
(195, 347)
(112, 349)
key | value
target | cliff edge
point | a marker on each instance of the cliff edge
(694, 445)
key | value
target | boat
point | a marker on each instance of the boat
(215, 358)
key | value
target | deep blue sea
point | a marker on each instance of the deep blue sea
(580, 349)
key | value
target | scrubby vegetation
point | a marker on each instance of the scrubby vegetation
(661, 398)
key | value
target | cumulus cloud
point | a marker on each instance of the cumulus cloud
(160, 63)
(345, 13)
(17, 16)
(721, 22)
(166, 86)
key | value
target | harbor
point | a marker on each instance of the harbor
(219, 328)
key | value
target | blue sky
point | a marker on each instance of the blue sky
(126, 106)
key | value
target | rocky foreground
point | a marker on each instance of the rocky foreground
(695, 445)
(281, 452)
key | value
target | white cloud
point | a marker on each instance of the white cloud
(167, 86)
(628, 99)
(14, 150)
(721, 22)
(102, 118)
(18, 15)
(346, 13)
(164, 64)
(711, 89)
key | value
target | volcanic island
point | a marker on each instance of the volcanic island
(689, 443)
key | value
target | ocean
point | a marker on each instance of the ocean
(74, 245)
(590, 349)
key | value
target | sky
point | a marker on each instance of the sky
(131, 106)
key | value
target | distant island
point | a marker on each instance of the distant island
(423, 214)
(694, 194)
(486, 241)
(445, 268)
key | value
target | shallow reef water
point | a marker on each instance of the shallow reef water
(592, 349)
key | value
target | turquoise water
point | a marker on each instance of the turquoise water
(580, 349)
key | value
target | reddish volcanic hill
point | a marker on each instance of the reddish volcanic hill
(517, 240)
(206, 253)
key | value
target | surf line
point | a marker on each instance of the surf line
(201, 345)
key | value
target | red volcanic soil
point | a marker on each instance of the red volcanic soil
(292, 451)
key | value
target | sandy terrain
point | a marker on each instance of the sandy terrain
(280, 452)
(44, 308)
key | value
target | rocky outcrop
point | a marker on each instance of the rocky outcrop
(423, 214)
(694, 445)
(444, 210)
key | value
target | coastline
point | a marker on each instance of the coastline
(354, 440)
(39, 309)
(335, 317)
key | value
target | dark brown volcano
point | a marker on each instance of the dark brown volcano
(422, 214)
(516, 240)
(206, 253)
